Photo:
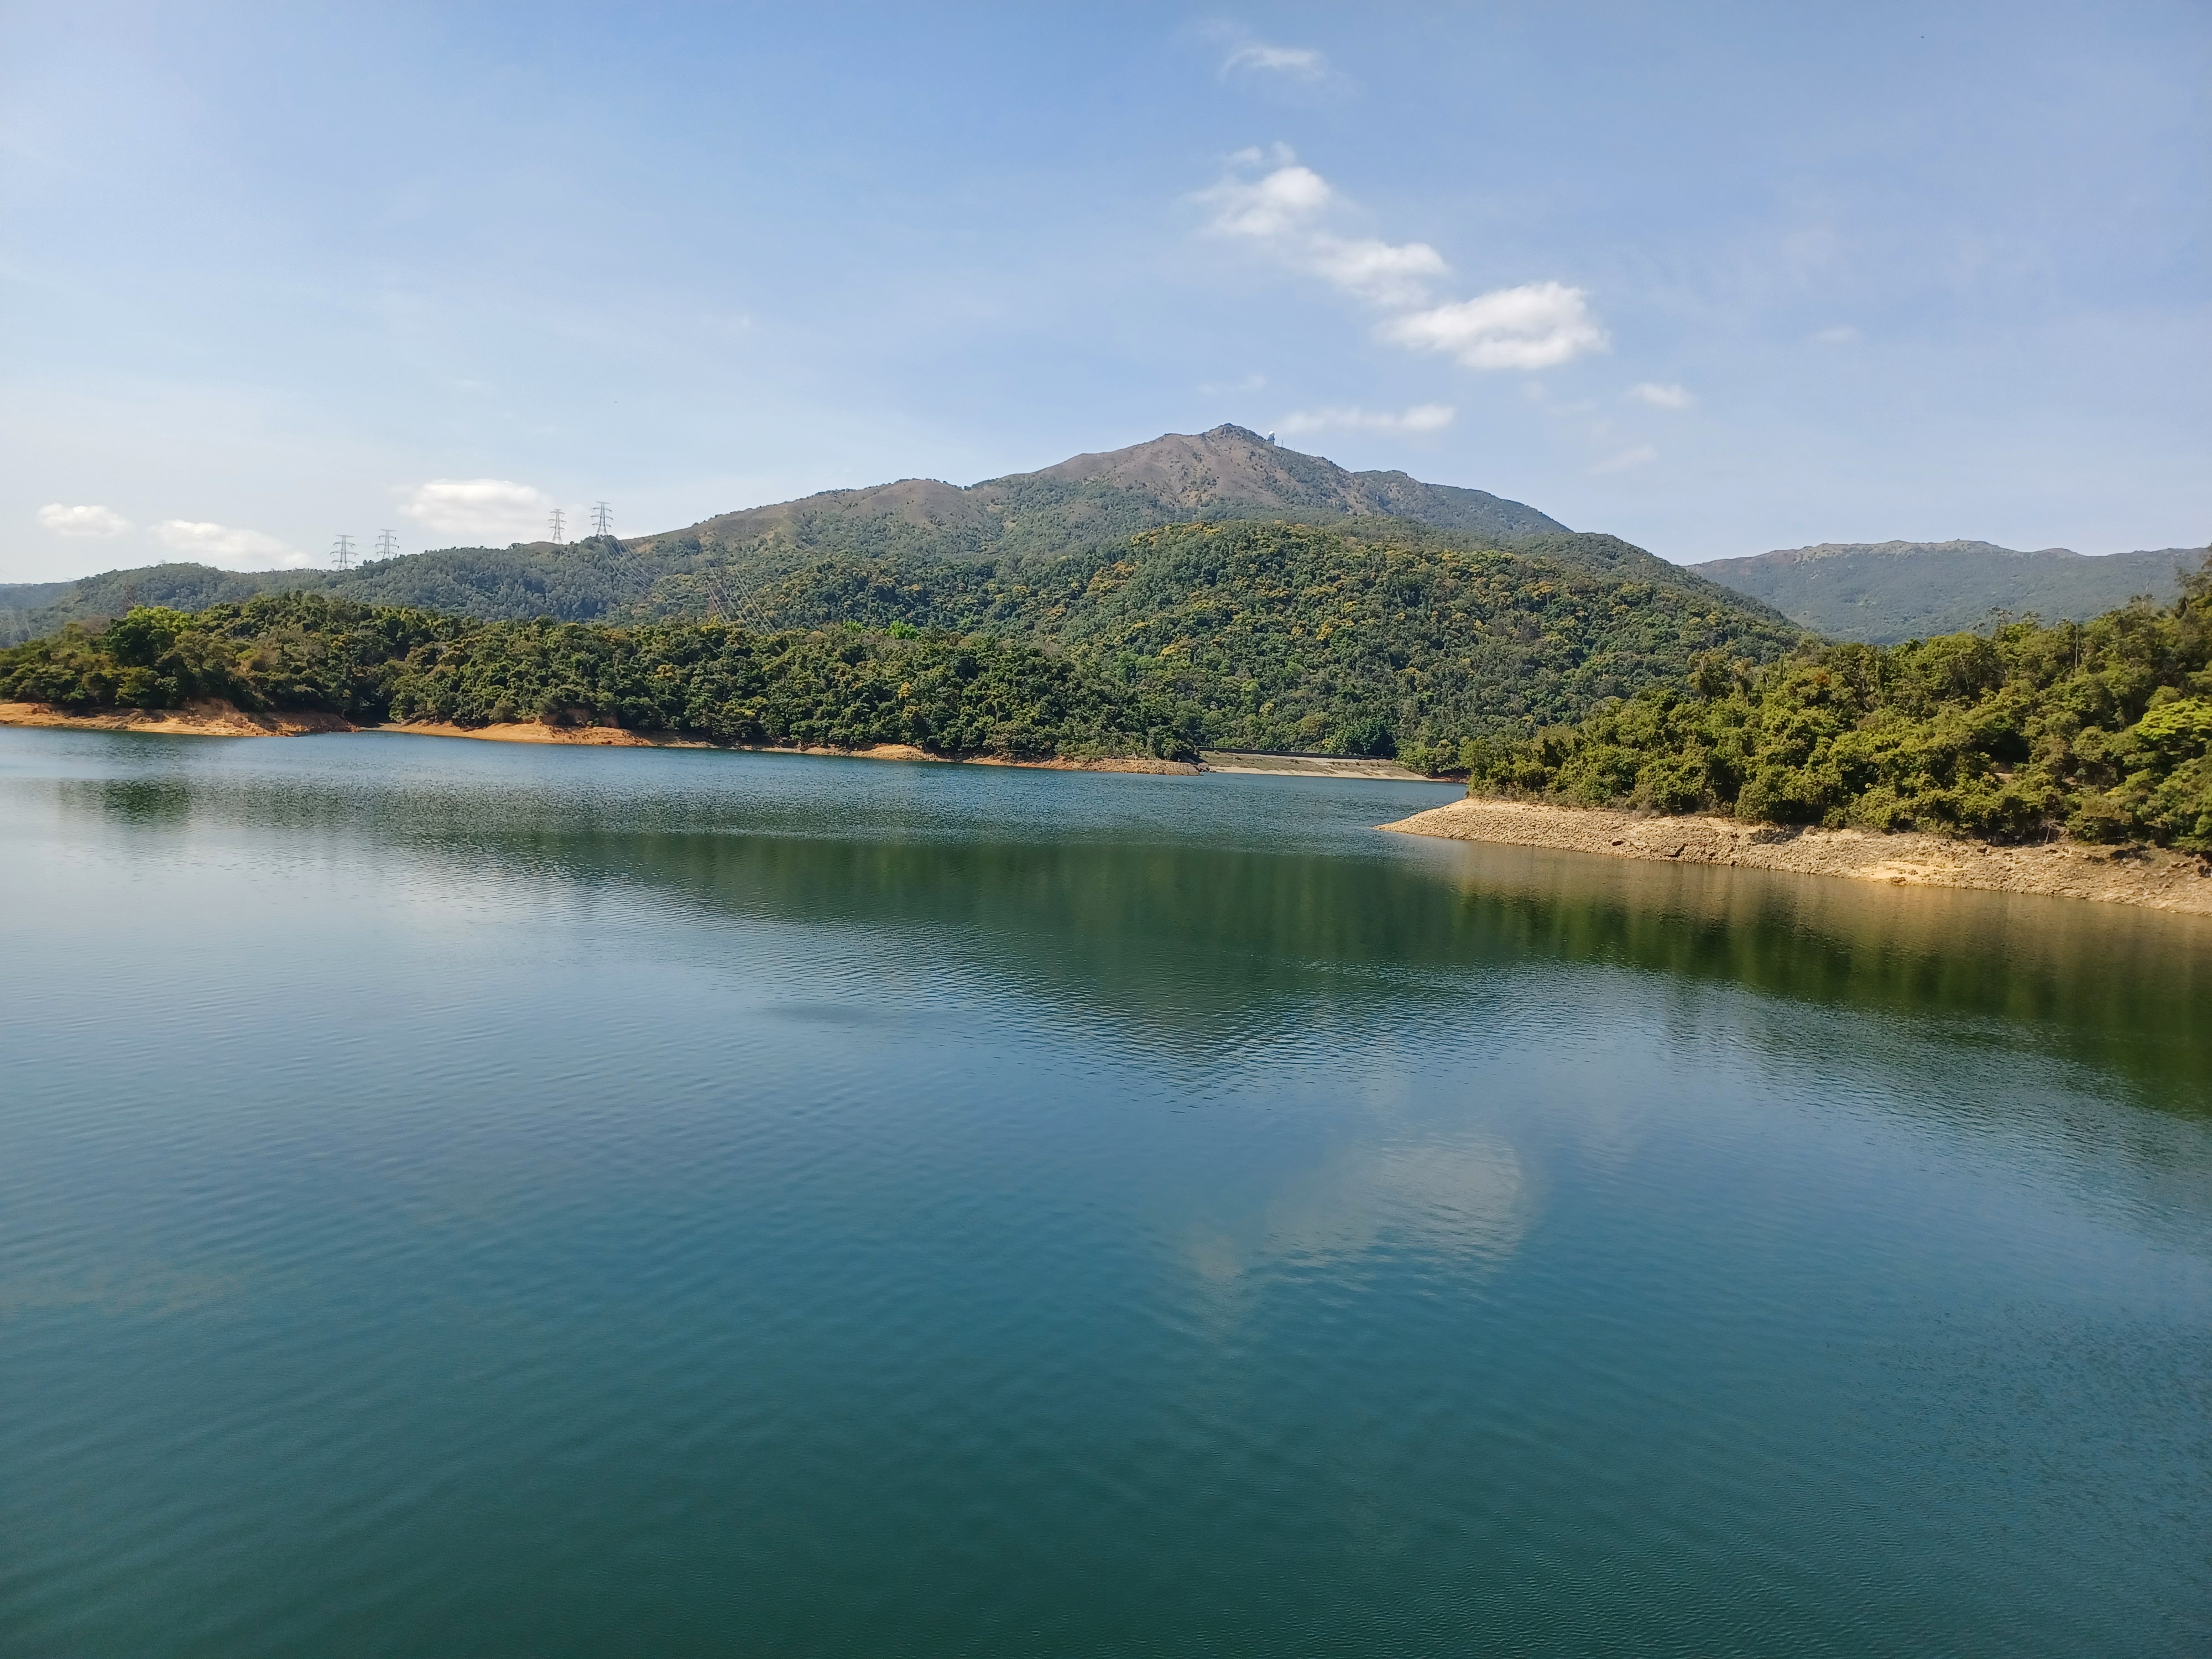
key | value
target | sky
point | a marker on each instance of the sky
(1716, 278)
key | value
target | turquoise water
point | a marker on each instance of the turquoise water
(458, 1198)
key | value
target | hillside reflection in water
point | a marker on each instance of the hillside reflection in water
(464, 1198)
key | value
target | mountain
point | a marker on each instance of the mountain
(1082, 504)
(1273, 600)
(1241, 633)
(1272, 634)
(1884, 592)
(1227, 473)
(20, 601)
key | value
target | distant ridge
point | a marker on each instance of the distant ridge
(1884, 592)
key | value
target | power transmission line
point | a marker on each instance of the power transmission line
(341, 551)
(557, 526)
(387, 545)
(603, 519)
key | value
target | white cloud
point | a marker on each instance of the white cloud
(1298, 63)
(1285, 211)
(1281, 211)
(1269, 207)
(1841, 334)
(485, 512)
(1640, 455)
(215, 544)
(1421, 417)
(1536, 325)
(1662, 397)
(82, 520)
(1378, 271)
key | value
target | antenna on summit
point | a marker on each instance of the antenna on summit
(342, 551)
(603, 519)
(558, 524)
(387, 545)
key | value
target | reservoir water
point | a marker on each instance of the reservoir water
(465, 1200)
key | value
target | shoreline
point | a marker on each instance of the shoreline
(222, 720)
(1249, 763)
(2149, 877)
(194, 720)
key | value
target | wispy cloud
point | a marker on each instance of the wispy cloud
(225, 544)
(1282, 211)
(1536, 325)
(1286, 212)
(1297, 63)
(1421, 417)
(1659, 396)
(1380, 272)
(82, 520)
(1840, 334)
(1637, 455)
(1268, 64)
(485, 511)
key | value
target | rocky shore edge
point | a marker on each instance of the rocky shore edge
(2150, 876)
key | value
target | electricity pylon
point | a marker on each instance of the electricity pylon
(557, 525)
(387, 545)
(341, 551)
(603, 519)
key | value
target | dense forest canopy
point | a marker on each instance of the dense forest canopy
(1887, 592)
(1023, 522)
(1253, 635)
(841, 687)
(2100, 730)
(1285, 636)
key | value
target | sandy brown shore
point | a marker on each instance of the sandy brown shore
(222, 720)
(1310, 766)
(2150, 876)
(196, 719)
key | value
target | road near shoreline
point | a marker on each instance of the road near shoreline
(2150, 876)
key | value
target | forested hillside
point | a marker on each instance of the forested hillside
(1285, 636)
(1885, 592)
(2102, 731)
(1259, 634)
(843, 687)
(1023, 520)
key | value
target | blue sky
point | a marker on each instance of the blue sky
(1716, 278)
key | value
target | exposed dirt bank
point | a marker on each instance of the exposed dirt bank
(194, 720)
(220, 720)
(1310, 766)
(536, 732)
(2150, 876)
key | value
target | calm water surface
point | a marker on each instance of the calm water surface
(461, 1200)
